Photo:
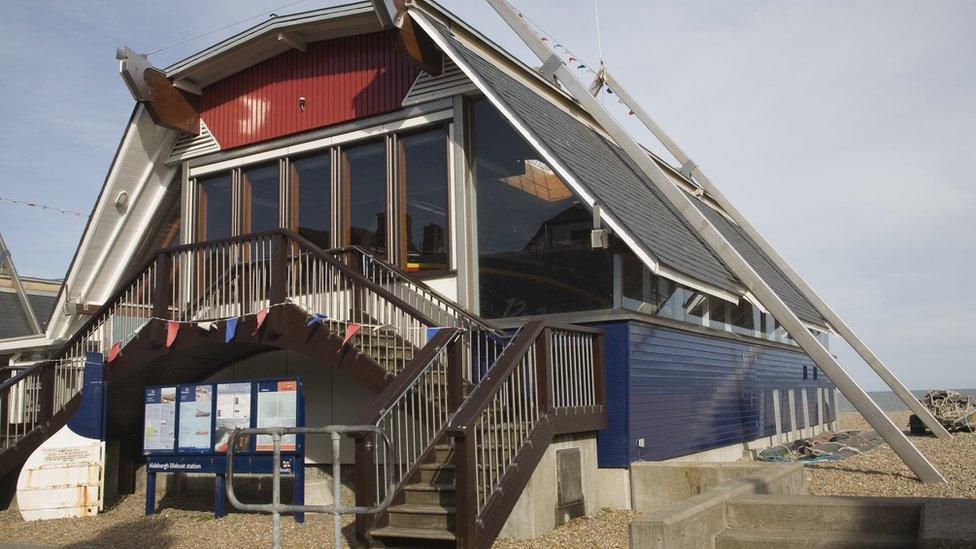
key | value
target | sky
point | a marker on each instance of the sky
(842, 130)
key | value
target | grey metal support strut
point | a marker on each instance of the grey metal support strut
(737, 264)
(839, 326)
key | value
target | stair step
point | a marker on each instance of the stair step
(818, 513)
(422, 516)
(420, 538)
(430, 494)
(412, 533)
(437, 473)
(784, 539)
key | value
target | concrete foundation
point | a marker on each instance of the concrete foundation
(537, 512)
(698, 495)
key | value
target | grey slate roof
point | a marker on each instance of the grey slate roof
(611, 175)
(760, 262)
(605, 171)
(43, 306)
(13, 321)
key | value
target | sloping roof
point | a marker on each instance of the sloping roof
(764, 266)
(606, 172)
(43, 306)
(13, 320)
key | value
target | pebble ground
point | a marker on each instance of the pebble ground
(189, 523)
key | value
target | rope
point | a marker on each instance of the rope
(225, 27)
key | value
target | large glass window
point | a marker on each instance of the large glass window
(311, 199)
(214, 207)
(261, 198)
(534, 253)
(423, 184)
(364, 177)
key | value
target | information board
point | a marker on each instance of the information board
(277, 407)
(233, 411)
(195, 404)
(159, 434)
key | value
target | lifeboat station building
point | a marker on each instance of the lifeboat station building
(376, 207)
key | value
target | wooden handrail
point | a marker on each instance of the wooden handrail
(480, 398)
(6, 385)
(409, 374)
(484, 324)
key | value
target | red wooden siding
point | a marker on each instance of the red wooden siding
(341, 80)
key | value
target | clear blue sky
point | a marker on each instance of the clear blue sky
(844, 130)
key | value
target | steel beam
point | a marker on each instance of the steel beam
(7, 258)
(737, 264)
(838, 325)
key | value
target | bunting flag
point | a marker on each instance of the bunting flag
(432, 332)
(319, 317)
(231, 329)
(262, 314)
(115, 351)
(208, 326)
(172, 328)
(351, 330)
(383, 327)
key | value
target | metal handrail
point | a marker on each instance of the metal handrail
(276, 508)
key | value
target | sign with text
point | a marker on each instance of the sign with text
(195, 404)
(277, 407)
(159, 434)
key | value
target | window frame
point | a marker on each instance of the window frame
(399, 200)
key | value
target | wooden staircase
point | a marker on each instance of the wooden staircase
(470, 409)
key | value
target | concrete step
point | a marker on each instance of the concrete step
(398, 536)
(425, 493)
(794, 539)
(409, 515)
(437, 473)
(819, 513)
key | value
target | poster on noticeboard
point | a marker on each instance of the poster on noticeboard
(277, 407)
(233, 411)
(159, 432)
(195, 403)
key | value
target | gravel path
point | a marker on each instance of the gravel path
(875, 473)
(881, 473)
(191, 526)
(609, 529)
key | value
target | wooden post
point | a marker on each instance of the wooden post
(455, 374)
(279, 269)
(366, 489)
(599, 371)
(46, 396)
(161, 297)
(466, 491)
(543, 358)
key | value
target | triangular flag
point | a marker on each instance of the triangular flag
(262, 314)
(351, 330)
(319, 317)
(115, 351)
(172, 328)
(432, 332)
(208, 326)
(231, 329)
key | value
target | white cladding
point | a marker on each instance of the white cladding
(120, 221)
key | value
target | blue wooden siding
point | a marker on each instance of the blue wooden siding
(686, 393)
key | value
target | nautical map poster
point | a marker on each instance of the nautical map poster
(277, 407)
(233, 411)
(160, 427)
(196, 415)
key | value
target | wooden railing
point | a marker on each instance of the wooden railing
(548, 381)
(483, 342)
(211, 281)
(414, 411)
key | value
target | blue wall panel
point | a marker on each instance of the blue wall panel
(612, 442)
(686, 393)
